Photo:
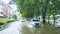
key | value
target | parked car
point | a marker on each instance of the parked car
(35, 22)
(57, 24)
(23, 20)
(2, 27)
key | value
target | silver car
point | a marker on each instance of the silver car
(35, 22)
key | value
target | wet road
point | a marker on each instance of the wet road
(19, 27)
(28, 28)
(14, 28)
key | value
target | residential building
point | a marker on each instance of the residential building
(1, 7)
(7, 10)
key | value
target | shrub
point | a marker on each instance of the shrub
(3, 20)
(14, 16)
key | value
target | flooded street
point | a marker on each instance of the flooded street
(19, 27)
(29, 16)
(13, 28)
(30, 29)
(46, 29)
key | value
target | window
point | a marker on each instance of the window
(35, 20)
(1, 12)
(0, 2)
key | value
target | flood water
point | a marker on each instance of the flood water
(27, 28)
(46, 29)
(19, 27)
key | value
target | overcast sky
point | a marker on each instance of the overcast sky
(12, 6)
(6, 1)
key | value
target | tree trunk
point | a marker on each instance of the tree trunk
(48, 19)
(45, 10)
(54, 20)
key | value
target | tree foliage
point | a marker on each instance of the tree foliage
(28, 8)
(34, 8)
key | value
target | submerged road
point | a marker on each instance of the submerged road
(14, 28)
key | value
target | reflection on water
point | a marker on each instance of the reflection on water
(46, 29)
(33, 30)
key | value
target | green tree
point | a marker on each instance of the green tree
(28, 8)
(34, 8)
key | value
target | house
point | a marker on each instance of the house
(1, 7)
(8, 10)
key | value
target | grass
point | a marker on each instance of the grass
(26, 30)
(46, 29)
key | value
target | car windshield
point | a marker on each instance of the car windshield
(35, 20)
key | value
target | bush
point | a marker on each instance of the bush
(3, 21)
(10, 21)
(14, 16)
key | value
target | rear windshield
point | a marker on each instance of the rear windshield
(35, 20)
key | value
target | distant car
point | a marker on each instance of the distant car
(35, 22)
(23, 20)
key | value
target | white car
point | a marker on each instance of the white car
(57, 24)
(23, 20)
(35, 22)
